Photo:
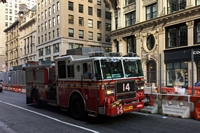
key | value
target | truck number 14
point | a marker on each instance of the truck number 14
(126, 87)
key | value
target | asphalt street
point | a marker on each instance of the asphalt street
(17, 117)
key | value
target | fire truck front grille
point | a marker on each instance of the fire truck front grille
(126, 89)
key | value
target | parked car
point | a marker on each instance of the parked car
(1, 88)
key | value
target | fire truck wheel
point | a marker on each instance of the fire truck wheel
(35, 100)
(77, 107)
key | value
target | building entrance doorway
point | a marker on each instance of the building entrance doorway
(151, 72)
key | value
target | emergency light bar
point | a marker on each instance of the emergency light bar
(131, 54)
(114, 54)
(96, 54)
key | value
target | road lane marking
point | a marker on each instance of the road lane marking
(140, 113)
(6, 128)
(66, 123)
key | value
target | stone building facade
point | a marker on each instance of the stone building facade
(163, 33)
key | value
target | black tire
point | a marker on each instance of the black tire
(35, 99)
(77, 108)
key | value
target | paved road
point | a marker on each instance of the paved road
(17, 117)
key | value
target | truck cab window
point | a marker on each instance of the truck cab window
(61, 69)
(70, 71)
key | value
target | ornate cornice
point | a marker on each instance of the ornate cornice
(148, 2)
(157, 21)
(129, 8)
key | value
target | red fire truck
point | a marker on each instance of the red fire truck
(92, 84)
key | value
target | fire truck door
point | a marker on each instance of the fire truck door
(91, 88)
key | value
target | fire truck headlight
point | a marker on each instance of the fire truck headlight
(141, 88)
(110, 92)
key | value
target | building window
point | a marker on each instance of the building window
(197, 2)
(71, 19)
(175, 5)
(48, 58)
(40, 52)
(58, 19)
(75, 45)
(48, 50)
(70, 6)
(90, 23)
(49, 11)
(90, 1)
(107, 38)
(49, 35)
(98, 2)
(131, 44)
(80, 8)
(58, 32)
(38, 29)
(42, 16)
(45, 13)
(50, 23)
(177, 74)
(89, 10)
(116, 23)
(42, 4)
(108, 15)
(54, 21)
(81, 34)
(99, 25)
(53, 34)
(54, 8)
(98, 36)
(45, 26)
(176, 36)
(45, 37)
(38, 6)
(150, 42)
(108, 27)
(38, 40)
(81, 21)
(197, 32)
(56, 48)
(90, 35)
(42, 38)
(151, 11)
(127, 2)
(58, 6)
(71, 32)
(42, 27)
(130, 18)
(98, 12)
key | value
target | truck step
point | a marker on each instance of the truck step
(92, 114)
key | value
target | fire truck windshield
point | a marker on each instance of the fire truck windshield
(132, 68)
(112, 69)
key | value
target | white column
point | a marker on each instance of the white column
(190, 26)
(122, 46)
